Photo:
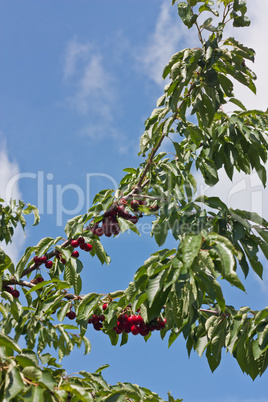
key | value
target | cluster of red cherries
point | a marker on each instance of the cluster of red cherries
(79, 242)
(109, 226)
(15, 293)
(132, 323)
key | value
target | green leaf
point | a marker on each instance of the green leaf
(13, 384)
(44, 245)
(190, 247)
(238, 103)
(6, 341)
(100, 251)
(125, 225)
(23, 261)
(71, 276)
(32, 372)
(34, 394)
(32, 208)
(87, 305)
(153, 287)
(185, 12)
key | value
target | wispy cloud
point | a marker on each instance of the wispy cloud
(163, 43)
(254, 36)
(94, 93)
(9, 169)
(90, 83)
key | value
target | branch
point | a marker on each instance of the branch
(155, 149)
(49, 256)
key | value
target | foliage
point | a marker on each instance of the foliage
(175, 291)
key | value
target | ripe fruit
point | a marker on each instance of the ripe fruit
(135, 329)
(104, 306)
(98, 326)
(133, 219)
(121, 211)
(43, 259)
(36, 260)
(144, 330)
(154, 208)
(74, 243)
(123, 318)
(9, 289)
(95, 318)
(141, 202)
(71, 315)
(99, 232)
(15, 293)
(75, 254)
(131, 319)
(63, 261)
(48, 264)
(162, 324)
(80, 240)
(101, 317)
(134, 205)
(88, 247)
(37, 280)
(137, 320)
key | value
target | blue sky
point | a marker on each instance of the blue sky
(78, 79)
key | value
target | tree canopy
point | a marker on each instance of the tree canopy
(176, 291)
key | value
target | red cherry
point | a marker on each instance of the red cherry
(88, 247)
(39, 279)
(104, 306)
(75, 254)
(71, 315)
(9, 289)
(98, 326)
(137, 319)
(121, 211)
(90, 320)
(123, 201)
(162, 324)
(118, 331)
(15, 293)
(74, 243)
(43, 259)
(99, 232)
(141, 202)
(48, 264)
(101, 317)
(115, 229)
(63, 261)
(133, 219)
(145, 330)
(120, 325)
(95, 318)
(123, 318)
(131, 319)
(135, 329)
(36, 260)
(154, 208)
(134, 205)
(80, 240)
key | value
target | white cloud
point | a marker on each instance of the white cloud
(100, 131)
(164, 42)
(254, 36)
(91, 84)
(9, 169)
